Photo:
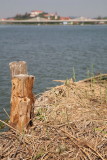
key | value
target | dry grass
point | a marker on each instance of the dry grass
(70, 123)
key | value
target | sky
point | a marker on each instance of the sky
(86, 8)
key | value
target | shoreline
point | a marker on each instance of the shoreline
(58, 22)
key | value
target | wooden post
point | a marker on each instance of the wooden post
(22, 98)
(22, 101)
(19, 67)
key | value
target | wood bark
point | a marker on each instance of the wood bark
(19, 67)
(22, 101)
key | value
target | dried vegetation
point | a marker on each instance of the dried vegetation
(70, 123)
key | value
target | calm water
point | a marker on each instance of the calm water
(51, 52)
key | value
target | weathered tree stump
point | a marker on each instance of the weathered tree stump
(22, 98)
(22, 101)
(19, 67)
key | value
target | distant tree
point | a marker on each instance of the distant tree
(105, 17)
(41, 15)
(21, 17)
(99, 17)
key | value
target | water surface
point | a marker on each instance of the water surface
(51, 52)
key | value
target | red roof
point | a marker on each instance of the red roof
(12, 19)
(64, 18)
(47, 15)
(38, 11)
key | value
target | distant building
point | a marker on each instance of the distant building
(47, 16)
(56, 16)
(35, 13)
(83, 18)
(3, 19)
(65, 18)
(51, 15)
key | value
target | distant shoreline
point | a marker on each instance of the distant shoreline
(52, 24)
(56, 22)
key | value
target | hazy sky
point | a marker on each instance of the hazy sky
(88, 8)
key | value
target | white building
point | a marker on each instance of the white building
(35, 13)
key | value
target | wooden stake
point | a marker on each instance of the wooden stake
(22, 101)
(19, 67)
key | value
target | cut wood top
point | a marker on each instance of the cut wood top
(21, 76)
(19, 67)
